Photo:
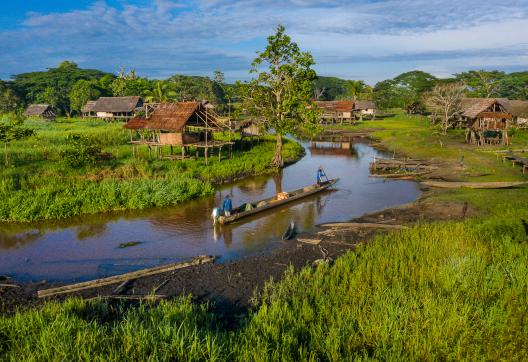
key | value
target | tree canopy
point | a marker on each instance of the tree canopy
(281, 94)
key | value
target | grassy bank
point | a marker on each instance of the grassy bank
(42, 183)
(442, 290)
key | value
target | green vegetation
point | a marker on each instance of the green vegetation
(74, 167)
(443, 290)
(282, 91)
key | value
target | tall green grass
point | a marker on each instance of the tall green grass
(441, 291)
(40, 185)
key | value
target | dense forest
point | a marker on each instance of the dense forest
(67, 88)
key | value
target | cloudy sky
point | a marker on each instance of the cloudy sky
(354, 39)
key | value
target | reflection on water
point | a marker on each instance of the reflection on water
(87, 247)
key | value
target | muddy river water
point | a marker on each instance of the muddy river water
(88, 247)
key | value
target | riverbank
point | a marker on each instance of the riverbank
(451, 285)
(79, 167)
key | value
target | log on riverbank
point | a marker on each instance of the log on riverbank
(203, 259)
(474, 185)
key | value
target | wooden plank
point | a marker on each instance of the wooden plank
(363, 225)
(203, 259)
(474, 185)
(150, 297)
(309, 241)
(9, 285)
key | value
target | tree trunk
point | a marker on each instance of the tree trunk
(277, 158)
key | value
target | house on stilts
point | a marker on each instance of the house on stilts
(487, 120)
(336, 111)
(189, 126)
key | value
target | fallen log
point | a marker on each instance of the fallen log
(309, 241)
(356, 225)
(399, 175)
(121, 287)
(203, 259)
(150, 297)
(9, 285)
(474, 185)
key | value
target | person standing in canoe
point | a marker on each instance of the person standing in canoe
(227, 206)
(320, 175)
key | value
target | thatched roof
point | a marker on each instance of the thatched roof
(117, 104)
(88, 107)
(364, 105)
(336, 106)
(472, 107)
(171, 117)
(518, 108)
(37, 109)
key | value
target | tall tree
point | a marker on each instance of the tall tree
(481, 83)
(9, 100)
(282, 93)
(82, 92)
(445, 99)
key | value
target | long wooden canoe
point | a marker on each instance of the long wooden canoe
(266, 204)
(474, 185)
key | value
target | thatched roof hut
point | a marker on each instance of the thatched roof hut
(39, 110)
(519, 110)
(364, 105)
(88, 109)
(117, 107)
(179, 124)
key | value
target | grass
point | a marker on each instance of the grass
(40, 185)
(437, 291)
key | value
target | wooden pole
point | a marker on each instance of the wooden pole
(203, 259)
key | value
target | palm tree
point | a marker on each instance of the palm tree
(160, 93)
(355, 88)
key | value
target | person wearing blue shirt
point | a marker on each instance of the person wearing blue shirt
(320, 175)
(227, 206)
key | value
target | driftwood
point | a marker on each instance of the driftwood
(409, 175)
(121, 287)
(203, 259)
(9, 285)
(150, 297)
(355, 225)
(474, 185)
(155, 290)
(309, 241)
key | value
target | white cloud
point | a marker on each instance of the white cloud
(367, 39)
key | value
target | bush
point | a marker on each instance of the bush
(80, 151)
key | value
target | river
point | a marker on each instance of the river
(87, 247)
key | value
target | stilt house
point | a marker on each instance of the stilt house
(184, 124)
(487, 120)
(39, 110)
(117, 107)
(336, 111)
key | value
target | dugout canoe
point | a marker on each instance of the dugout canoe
(269, 203)
(474, 185)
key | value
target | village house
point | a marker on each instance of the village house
(39, 110)
(519, 110)
(364, 108)
(487, 120)
(88, 110)
(184, 124)
(336, 111)
(116, 107)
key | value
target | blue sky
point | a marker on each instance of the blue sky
(369, 40)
